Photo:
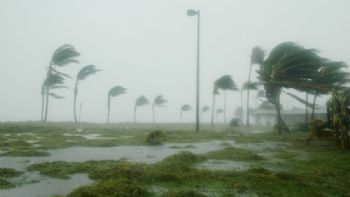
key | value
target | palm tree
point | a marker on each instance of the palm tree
(113, 92)
(249, 85)
(257, 57)
(140, 101)
(185, 107)
(204, 109)
(219, 111)
(64, 55)
(54, 81)
(158, 101)
(82, 74)
(224, 83)
(290, 65)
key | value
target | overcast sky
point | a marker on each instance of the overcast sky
(149, 47)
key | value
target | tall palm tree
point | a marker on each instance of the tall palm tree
(140, 101)
(184, 108)
(219, 111)
(82, 74)
(290, 65)
(257, 57)
(249, 85)
(113, 92)
(204, 109)
(223, 83)
(158, 101)
(64, 55)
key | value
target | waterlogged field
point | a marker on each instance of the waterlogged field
(56, 159)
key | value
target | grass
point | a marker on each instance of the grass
(5, 175)
(319, 169)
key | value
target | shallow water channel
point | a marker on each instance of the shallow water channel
(35, 185)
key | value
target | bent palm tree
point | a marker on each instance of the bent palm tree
(204, 109)
(290, 65)
(184, 108)
(62, 56)
(224, 83)
(113, 92)
(257, 57)
(82, 74)
(140, 101)
(158, 101)
(249, 85)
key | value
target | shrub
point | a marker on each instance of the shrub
(156, 137)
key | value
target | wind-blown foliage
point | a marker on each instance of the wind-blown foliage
(140, 101)
(223, 83)
(219, 111)
(204, 110)
(82, 74)
(113, 92)
(62, 56)
(290, 65)
(184, 108)
(159, 101)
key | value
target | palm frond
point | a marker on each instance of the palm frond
(141, 100)
(61, 73)
(159, 100)
(205, 109)
(299, 99)
(186, 107)
(250, 85)
(220, 110)
(225, 83)
(56, 96)
(87, 71)
(64, 55)
(257, 56)
(116, 90)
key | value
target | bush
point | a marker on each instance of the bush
(156, 137)
(235, 122)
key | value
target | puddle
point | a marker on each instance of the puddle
(92, 136)
(225, 165)
(48, 187)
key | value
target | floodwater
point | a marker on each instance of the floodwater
(36, 185)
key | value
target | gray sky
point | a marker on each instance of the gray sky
(149, 48)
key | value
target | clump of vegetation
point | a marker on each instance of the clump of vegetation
(9, 173)
(232, 153)
(183, 193)
(156, 137)
(4, 184)
(111, 188)
(235, 122)
(25, 153)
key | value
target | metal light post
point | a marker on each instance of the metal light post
(192, 12)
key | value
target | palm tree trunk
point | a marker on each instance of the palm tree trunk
(180, 115)
(135, 114)
(224, 106)
(81, 107)
(153, 114)
(306, 108)
(313, 107)
(49, 72)
(75, 101)
(42, 105)
(248, 119)
(212, 111)
(281, 125)
(108, 107)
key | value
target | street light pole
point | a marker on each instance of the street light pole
(191, 12)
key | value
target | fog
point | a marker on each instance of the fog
(149, 47)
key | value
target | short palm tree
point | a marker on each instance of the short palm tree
(184, 108)
(219, 111)
(64, 55)
(140, 101)
(248, 85)
(204, 110)
(223, 83)
(159, 101)
(113, 92)
(82, 74)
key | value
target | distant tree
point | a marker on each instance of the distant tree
(249, 85)
(140, 101)
(159, 101)
(113, 92)
(239, 112)
(223, 83)
(82, 74)
(204, 109)
(64, 55)
(184, 108)
(219, 111)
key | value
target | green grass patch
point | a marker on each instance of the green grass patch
(232, 153)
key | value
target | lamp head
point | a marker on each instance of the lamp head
(191, 12)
